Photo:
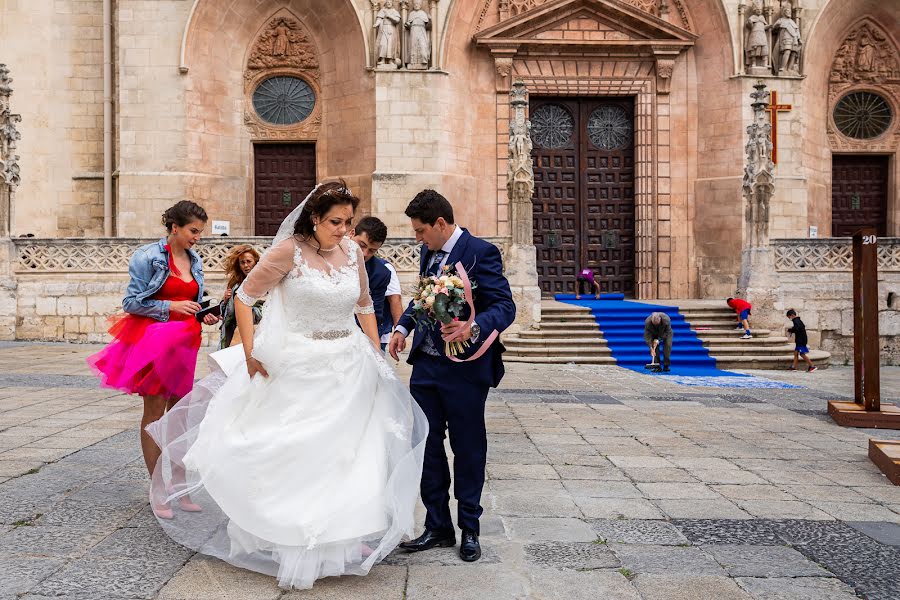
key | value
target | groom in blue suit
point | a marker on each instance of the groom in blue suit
(452, 395)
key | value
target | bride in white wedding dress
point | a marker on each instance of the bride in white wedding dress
(303, 460)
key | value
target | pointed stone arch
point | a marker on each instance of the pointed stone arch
(867, 61)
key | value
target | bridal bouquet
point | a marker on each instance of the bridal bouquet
(441, 298)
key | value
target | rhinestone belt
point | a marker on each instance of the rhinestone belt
(333, 334)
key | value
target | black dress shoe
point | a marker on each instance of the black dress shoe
(430, 539)
(469, 548)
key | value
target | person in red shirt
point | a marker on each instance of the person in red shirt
(742, 308)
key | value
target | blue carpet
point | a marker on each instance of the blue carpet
(622, 324)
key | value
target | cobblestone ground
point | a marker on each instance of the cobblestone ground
(603, 483)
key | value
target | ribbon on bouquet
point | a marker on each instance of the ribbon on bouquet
(467, 286)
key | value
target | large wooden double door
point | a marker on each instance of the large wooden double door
(284, 175)
(859, 192)
(583, 151)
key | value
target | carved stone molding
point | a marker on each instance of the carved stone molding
(759, 177)
(283, 47)
(503, 66)
(868, 61)
(664, 69)
(507, 9)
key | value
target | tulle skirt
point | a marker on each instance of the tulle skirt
(149, 357)
(311, 472)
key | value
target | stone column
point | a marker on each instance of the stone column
(436, 30)
(759, 283)
(521, 263)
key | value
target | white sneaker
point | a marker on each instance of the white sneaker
(746, 336)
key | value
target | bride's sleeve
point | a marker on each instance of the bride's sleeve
(271, 269)
(364, 304)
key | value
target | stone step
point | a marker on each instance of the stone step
(587, 333)
(582, 325)
(731, 332)
(754, 341)
(518, 341)
(750, 350)
(581, 350)
(771, 361)
(560, 360)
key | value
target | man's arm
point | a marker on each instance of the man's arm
(493, 286)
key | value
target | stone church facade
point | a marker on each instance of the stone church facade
(638, 112)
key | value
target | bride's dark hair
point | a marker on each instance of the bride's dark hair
(329, 195)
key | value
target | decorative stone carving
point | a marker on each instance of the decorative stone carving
(9, 159)
(387, 37)
(283, 48)
(864, 87)
(659, 8)
(831, 254)
(758, 281)
(520, 170)
(787, 43)
(521, 265)
(866, 55)
(283, 43)
(759, 178)
(419, 41)
(756, 42)
(503, 65)
(664, 69)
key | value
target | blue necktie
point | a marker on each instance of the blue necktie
(435, 266)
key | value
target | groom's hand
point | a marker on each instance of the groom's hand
(457, 331)
(397, 345)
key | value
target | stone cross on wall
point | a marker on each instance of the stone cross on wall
(9, 160)
(520, 171)
(759, 178)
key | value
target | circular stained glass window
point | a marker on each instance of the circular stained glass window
(551, 126)
(862, 115)
(610, 128)
(283, 100)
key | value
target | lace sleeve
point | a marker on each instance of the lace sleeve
(364, 304)
(271, 269)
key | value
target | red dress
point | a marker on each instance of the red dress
(150, 357)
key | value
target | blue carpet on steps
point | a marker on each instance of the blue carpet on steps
(622, 324)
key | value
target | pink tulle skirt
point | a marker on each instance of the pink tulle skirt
(149, 357)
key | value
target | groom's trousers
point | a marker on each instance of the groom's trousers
(455, 405)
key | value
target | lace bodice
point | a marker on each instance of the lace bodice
(321, 290)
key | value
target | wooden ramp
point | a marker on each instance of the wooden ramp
(886, 456)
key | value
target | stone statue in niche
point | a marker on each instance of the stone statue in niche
(757, 42)
(865, 54)
(786, 34)
(419, 23)
(387, 40)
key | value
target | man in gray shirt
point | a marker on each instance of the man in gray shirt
(658, 331)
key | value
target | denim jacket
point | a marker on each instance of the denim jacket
(148, 270)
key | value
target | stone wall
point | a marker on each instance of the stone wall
(55, 290)
(817, 282)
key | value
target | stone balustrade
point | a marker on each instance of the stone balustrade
(111, 255)
(829, 254)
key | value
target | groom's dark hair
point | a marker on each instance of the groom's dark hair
(428, 206)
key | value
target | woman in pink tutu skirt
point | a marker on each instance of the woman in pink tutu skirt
(155, 343)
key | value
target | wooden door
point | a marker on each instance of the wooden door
(859, 189)
(584, 192)
(284, 175)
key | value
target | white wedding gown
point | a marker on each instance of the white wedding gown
(313, 471)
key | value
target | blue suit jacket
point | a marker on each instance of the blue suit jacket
(494, 309)
(379, 278)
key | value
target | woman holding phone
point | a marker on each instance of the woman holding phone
(155, 343)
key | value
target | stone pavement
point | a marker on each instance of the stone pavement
(602, 483)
